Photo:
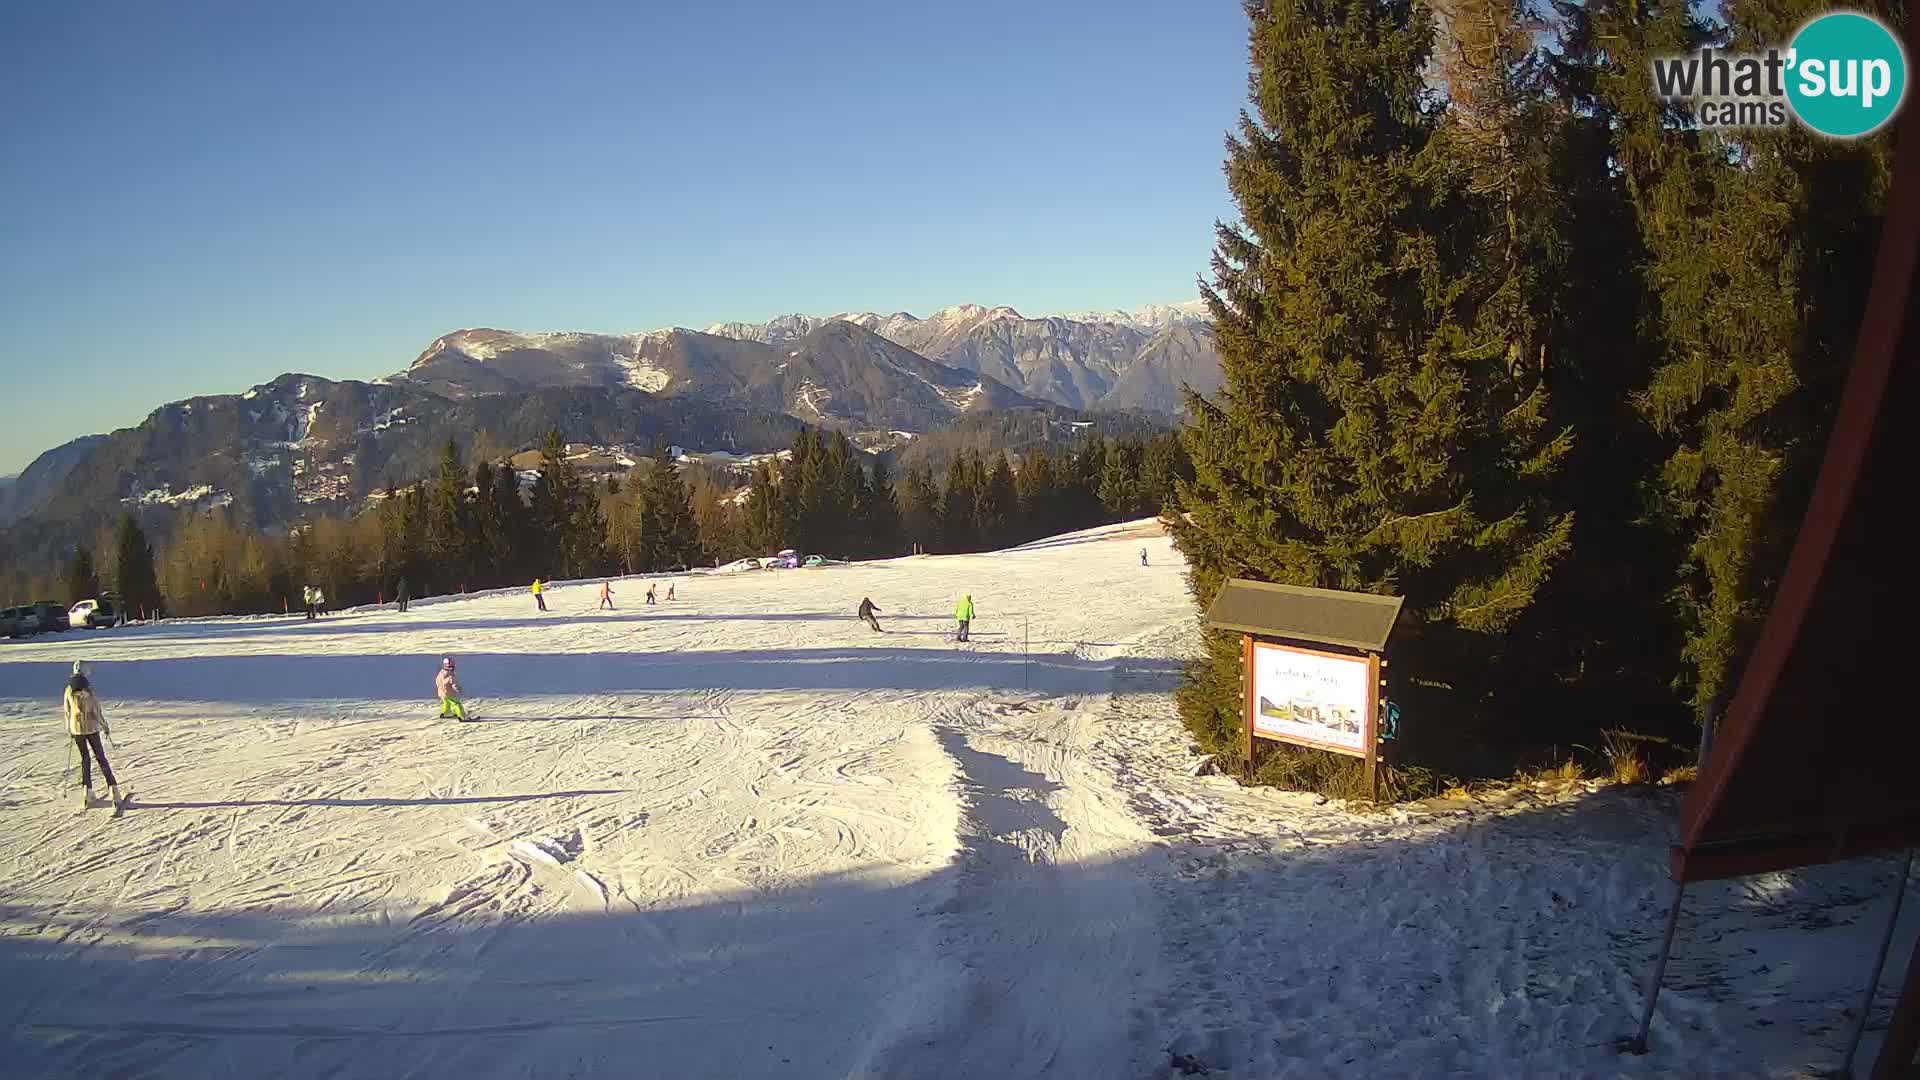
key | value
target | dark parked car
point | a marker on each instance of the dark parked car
(9, 623)
(52, 616)
(21, 621)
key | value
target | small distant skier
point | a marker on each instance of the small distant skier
(867, 612)
(307, 601)
(669, 590)
(403, 594)
(650, 589)
(964, 613)
(606, 596)
(537, 598)
(1143, 556)
(448, 687)
(85, 723)
(320, 599)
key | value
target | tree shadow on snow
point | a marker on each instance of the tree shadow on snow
(1400, 956)
(281, 678)
(464, 800)
(394, 622)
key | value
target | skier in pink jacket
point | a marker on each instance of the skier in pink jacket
(448, 687)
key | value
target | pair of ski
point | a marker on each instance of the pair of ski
(119, 802)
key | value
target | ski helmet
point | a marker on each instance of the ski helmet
(447, 663)
(80, 668)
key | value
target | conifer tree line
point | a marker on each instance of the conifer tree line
(465, 530)
(1507, 335)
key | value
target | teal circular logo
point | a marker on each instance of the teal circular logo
(1847, 74)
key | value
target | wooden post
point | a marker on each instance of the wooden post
(1246, 646)
(1372, 722)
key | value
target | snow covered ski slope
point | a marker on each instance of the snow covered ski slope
(742, 835)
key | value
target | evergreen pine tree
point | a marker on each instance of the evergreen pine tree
(133, 571)
(765, 516)
(880, 514)
(920, 509)
(669, 538)
(83, 583)
(1758, 249)
(1120, 481)
(1039, 495)
(995, 507)
(956, 507)
(842, 531)
(1372, 433)
(449, 527)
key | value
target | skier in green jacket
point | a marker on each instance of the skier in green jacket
(965, 614)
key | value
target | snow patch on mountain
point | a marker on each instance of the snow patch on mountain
(164, 495)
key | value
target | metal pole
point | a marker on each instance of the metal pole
(1638, 1044)
(1026, 637)
(1879, 965)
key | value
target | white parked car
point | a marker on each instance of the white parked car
(93, 613)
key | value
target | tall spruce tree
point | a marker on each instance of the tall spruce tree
(449, 530)
(1374, 432)
(669, 539)
(1039, 495)
(133, 571)
(880, 514)
(920, 509)
(83, 582)
(996, 507)
(765, 516)
(1758, 249)
(956, 506)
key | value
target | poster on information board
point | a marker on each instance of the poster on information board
(1312, 698)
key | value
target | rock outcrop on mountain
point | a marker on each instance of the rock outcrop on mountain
(835, 374)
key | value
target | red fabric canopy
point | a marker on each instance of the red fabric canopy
(1819, 755)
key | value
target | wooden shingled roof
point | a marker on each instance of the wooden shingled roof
(1328, 616)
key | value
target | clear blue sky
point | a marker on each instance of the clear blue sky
(195, 202)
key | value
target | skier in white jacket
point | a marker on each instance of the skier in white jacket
(85, 722)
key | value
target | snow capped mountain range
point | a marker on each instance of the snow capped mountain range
(1135, 359)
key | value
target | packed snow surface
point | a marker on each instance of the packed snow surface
(741, 835)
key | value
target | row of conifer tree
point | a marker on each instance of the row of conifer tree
(1508, 335)
(465, 529)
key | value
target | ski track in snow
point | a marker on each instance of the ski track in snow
(741, 835)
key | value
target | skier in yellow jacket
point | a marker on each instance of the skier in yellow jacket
(964, 613)
(85, 722)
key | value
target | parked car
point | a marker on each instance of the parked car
(52, 616)
(815, 560)
(93, 614)
(26, 621)
(9, 623)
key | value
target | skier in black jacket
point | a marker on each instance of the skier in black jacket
(867, 611)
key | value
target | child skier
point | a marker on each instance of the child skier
(1143, 556)
(85, 723)
(650, 589)
(964, 613)
(867, 611)
(537, 598)
(320, 599)
(669, 590)
(606, 596)
(448, 687)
